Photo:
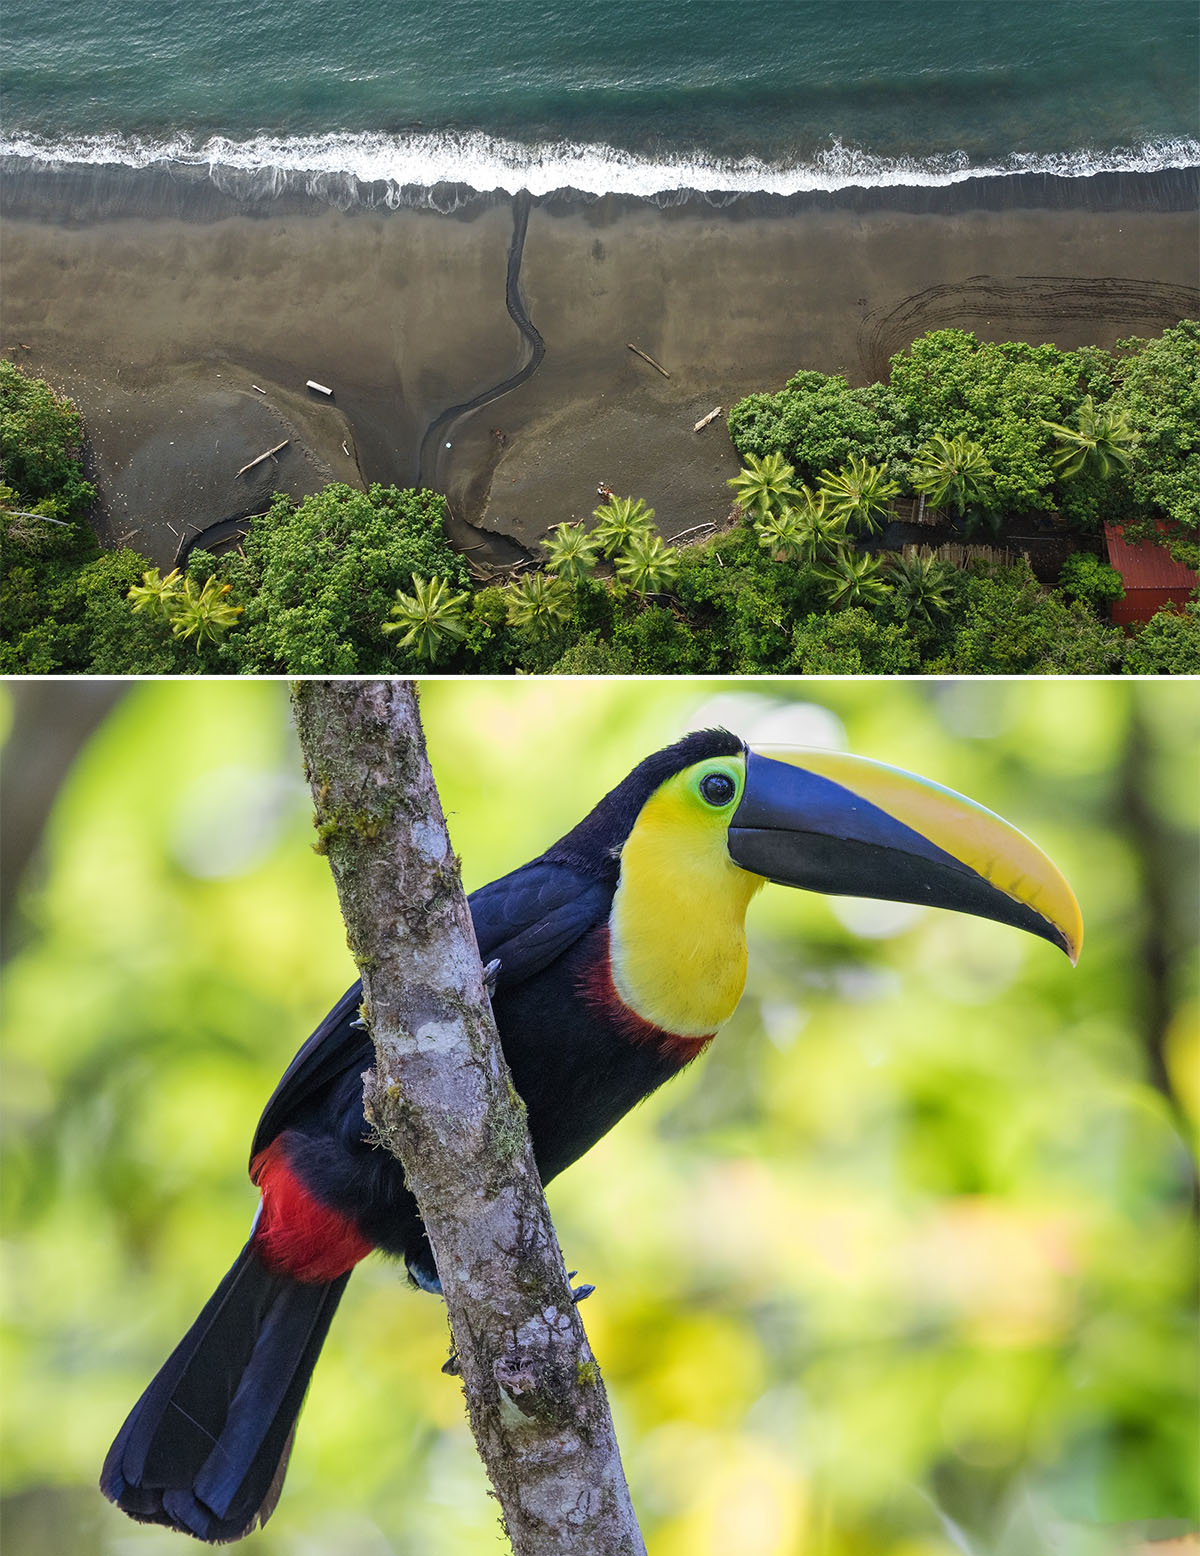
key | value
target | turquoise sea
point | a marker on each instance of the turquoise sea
(642, 96)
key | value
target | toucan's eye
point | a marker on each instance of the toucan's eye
(718, 788)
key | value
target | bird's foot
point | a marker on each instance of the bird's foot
(579, 1293)
(490, 973)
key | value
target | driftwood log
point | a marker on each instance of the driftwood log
(646, 357)
(271, 452)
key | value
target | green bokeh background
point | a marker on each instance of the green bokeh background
(903, 1267)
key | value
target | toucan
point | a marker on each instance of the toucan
(621, 951)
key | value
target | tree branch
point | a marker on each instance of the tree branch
(441, 1100)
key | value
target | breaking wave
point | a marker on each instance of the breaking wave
(345, 168)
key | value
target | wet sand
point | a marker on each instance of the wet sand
(158, 303)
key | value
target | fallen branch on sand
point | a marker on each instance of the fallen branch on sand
(695, 530)
(271, 452)
(646, 357)
(704, 420)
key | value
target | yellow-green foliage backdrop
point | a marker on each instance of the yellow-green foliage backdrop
(903, 1266)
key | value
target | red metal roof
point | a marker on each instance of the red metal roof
(1146, 565)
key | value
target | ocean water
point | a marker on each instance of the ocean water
(636, 96)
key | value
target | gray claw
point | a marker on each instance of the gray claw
(579, 1293)
(490, 973)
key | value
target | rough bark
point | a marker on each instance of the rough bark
(441, 1099)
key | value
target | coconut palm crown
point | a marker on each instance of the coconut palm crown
(431, 617)
(572, 551)
(620, 519)
(763, 485)
(1099, 440)
(860, 492)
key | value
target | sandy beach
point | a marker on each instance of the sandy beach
(164, 306)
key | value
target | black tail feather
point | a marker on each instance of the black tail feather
(205, 1448)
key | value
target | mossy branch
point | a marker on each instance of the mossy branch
(441, 1100)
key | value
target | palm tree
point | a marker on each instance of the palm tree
(647, 565)
(157, 595)
(431, 618)
(1099, 440)
(952, 470)
(764, 484)
(860, 492)
(203, 613)
(572, 551)
(782, 534)
(538, 602)
(621, 518)
(921, 585)
(854, 580)
(823, 532)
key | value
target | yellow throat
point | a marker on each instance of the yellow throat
(677, 938)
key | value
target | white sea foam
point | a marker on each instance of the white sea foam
(334, 167)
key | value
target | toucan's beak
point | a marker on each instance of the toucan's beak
(829, 822)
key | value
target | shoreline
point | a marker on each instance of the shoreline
(80, 192)
(157, 299)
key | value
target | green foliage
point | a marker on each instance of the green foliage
(780, 532)
(1158, 394)
(810, 532)
(852, 642)
(859, 493)
(572, 552)
(538, 602)
(55, 588)
(323, 575)
(741, 604)
(1168, 644)
(763, 486)
(922, 587)
(647, 564)
(1085, 577)
(592, 656)
(195, 610)
(656, 642)
(430, 619)
(1099, 441)
(817, 422)
(41, 447)
(619, 520)
(203, 612)
(854, 578)
(158, 597)
(1009, 626)
(998, 397)
(953, 471)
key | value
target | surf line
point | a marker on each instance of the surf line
(433, 443)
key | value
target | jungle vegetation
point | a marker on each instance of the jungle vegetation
(800, 582)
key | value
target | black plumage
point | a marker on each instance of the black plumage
(205, 1448)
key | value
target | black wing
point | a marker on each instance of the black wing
(529, 918)
(526, 919)
(333, 1049)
